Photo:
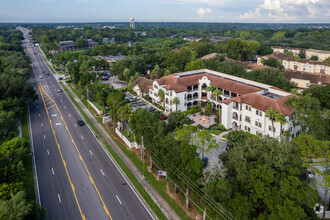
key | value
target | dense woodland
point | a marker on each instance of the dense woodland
(259, 177)
(15, 94)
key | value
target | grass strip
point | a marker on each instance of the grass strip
(128, 173)
(46, 61)
(28, 170)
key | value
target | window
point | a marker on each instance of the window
(322, 70)
(246, 128)
(258, 124)
(155, 86)
(247, 107)
(258, 112)
(247, 119)
(307, 84)
(290, 129)
(270, 128)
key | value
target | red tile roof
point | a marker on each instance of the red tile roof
(263, 103)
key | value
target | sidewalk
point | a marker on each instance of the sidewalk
(161, 203)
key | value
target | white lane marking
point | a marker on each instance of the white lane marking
(37, 107)
(47, 151)
(39, 115)
(58, 94)
(75, 125)
(118, 199)
(69, 115)
(62, 101)
(102, 172)
(64, 106)
(44, 137)
(91, 152)
(42, 125)
(59, 197)
(82, 137)
(52, 171)
(54, 115)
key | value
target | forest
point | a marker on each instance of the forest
(17, 199)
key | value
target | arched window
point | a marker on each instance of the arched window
(195, 96)
(204, 86)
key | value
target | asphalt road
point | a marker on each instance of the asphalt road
(76, 178)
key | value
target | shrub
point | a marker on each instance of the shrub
(191, 111)
(200, 126)
(222, 127)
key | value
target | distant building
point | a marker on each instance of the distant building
(91, 43)
(110, 59)
(248, 66)
(321, 54)
(209, 56)
(110, 27)
(67, 46)
(192, 39)
(301, 65)
(305, 79)
(141, 86)
(108, 41)
(243, 103)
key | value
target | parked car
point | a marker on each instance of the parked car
(310, 174)
(163, 117)
(228, 147)
(80, 122)
(60, 78)
(150, 109)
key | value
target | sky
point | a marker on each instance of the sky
(260, 11)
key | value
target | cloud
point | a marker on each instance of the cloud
(287, 10)
(203, 11)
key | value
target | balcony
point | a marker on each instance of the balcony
(235, 118)
(235, 107)
(188, 99)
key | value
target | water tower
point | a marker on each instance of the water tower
(132, 23)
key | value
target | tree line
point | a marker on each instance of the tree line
(15, 94)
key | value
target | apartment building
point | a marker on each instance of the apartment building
(321, 54)
(243, 103)
(305, 65)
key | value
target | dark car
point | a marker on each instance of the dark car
(59, 90)
(163, 117)
(47, 73)
(150, 109)
(228, 147)
(205, 161)
(80, 122)
(60, 78)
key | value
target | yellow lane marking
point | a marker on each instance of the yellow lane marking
(50, 122)
(50, 106)
(64, 163)
(90, 177)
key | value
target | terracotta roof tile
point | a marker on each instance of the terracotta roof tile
(143, 83)
(312, 77)
(263, 103)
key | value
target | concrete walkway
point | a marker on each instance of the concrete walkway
(162, 204)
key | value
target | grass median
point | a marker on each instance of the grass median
(46, 61)
(28, 170)
(128, 173)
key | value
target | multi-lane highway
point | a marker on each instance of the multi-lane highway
(76, 178)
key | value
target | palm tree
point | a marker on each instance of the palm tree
(271, 114)
(282, 120)
(211, 89)
(126, 73)
(176, 101)
(217, 93)
(161, 95)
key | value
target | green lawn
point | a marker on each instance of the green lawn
(216, 132)
(28, 174)
(75, 51)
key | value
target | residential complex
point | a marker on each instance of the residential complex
(321, 54)
(243, 103)
(289, 62)
(71, 45)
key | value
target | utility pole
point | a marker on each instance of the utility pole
(87, 96)
(142, 155)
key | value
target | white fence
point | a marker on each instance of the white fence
(126, 141)
(99, 112)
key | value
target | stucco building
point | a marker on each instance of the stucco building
(243, 103)
(305, 65)
(321, 54)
